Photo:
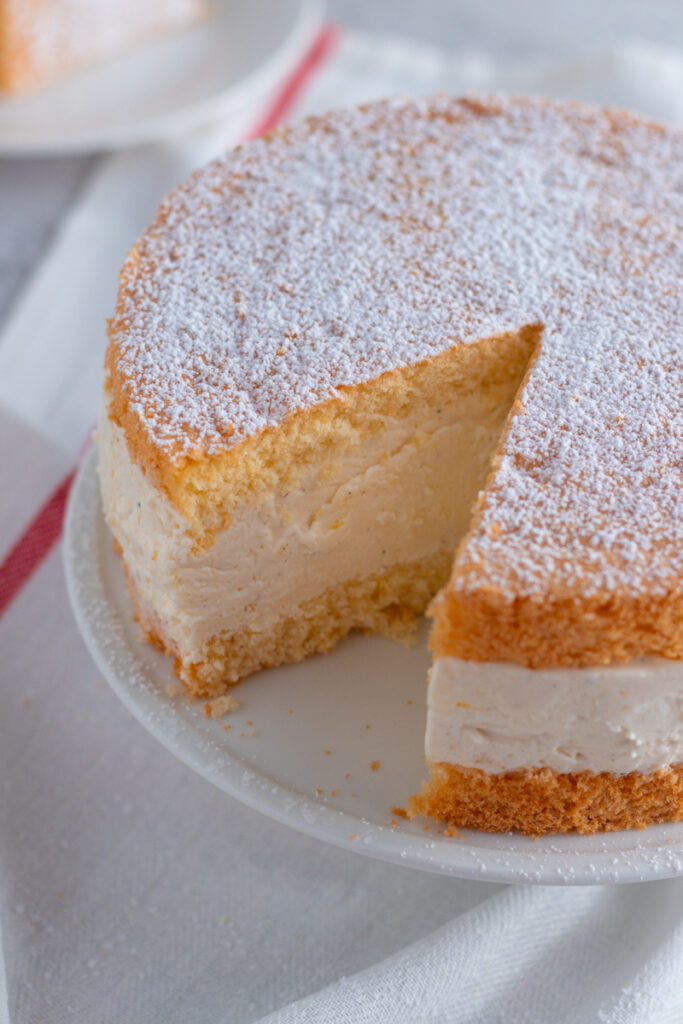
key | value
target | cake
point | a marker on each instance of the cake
(42, 41)
(353, 349)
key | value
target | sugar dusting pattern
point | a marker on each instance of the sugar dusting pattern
(350, 245)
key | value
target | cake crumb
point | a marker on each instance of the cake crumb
(226, 727)
(451, 831)
(348, 775)
(220, 706)
(354, 794)
(333, 792)
(172, 691)
(320, 792)
(374, 765)
(328, 751)
(252, 734)
(410, 702)
(368, 726)
(399, 812)
(354, 835)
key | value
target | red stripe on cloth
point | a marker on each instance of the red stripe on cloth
(34, 545)
(321, 48)
(41, 535)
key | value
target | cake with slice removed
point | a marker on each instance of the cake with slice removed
(319, 346)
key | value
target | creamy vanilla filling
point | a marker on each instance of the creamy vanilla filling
(400, 496)
(500, 717)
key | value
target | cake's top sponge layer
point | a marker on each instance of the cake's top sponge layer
(310, 261)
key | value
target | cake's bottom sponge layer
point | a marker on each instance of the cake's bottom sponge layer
(387, 603)
(539, 800)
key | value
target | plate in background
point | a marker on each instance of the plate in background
(301, 746)
(187, 79)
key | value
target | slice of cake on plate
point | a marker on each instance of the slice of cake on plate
(334, 342)
(42, 41)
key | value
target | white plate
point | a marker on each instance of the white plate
(302, 743)
(184, 80)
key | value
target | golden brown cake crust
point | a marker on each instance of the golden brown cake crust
(539, 800)
(609, 627)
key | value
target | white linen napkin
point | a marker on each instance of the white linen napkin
(524, 956)
(131, 891)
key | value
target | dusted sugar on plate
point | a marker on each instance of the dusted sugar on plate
(425, 352)
(42, 41)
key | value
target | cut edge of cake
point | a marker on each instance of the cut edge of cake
(205, 488)
(460, 397)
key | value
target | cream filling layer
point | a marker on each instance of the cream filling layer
(400, 496)
(501, 717)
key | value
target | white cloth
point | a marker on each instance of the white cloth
(131, 891)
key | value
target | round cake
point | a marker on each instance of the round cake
(417, 349)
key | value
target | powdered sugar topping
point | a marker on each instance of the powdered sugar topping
(348, 246)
